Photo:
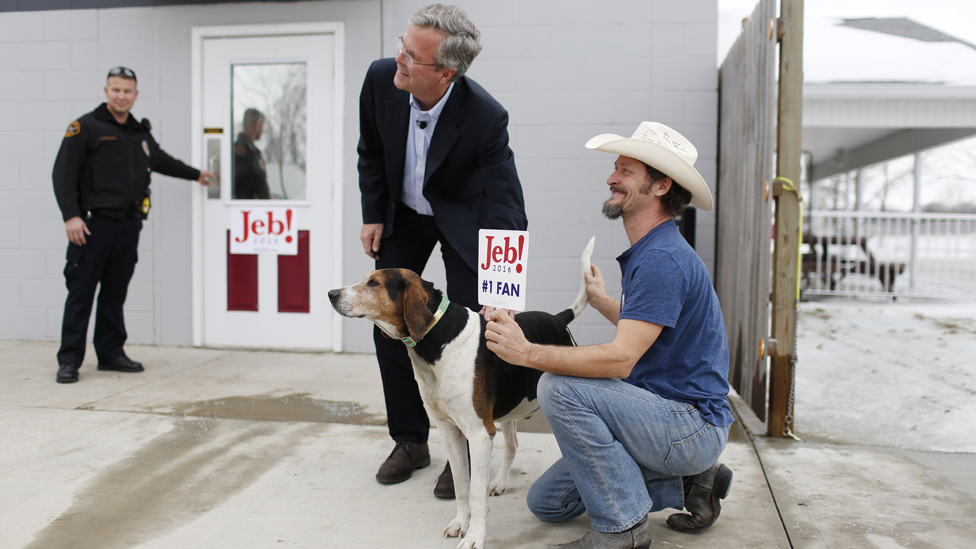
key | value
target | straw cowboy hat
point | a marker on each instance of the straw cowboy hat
(664, 149)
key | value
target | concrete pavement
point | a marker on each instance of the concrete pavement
(223, 448)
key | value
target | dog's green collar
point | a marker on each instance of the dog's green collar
(411, 342)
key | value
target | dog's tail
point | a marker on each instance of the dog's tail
(582, 299)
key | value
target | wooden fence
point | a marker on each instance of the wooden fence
(747, 138)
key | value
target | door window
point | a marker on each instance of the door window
(268, 110)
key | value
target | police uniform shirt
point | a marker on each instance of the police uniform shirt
(104, 165)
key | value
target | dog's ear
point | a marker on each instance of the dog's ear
(415, 312)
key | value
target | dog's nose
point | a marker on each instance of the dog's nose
(333, 295)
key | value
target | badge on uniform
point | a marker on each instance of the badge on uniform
(73, 129)
(145, 147)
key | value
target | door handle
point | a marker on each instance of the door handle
(213, 164)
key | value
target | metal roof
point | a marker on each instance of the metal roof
(878, 88)
(902, 26)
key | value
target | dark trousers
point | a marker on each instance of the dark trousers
(410, 247)
(108, 258)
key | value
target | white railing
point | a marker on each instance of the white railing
(857, 253)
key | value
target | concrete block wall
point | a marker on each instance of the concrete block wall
(43, 87)
(566, 70)
(55, 73)
(52, 71)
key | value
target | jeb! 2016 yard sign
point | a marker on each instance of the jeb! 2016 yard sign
(256, 230)
(502, 267)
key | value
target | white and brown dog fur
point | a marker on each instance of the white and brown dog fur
(466, 387)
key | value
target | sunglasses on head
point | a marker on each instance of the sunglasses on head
(122, 71)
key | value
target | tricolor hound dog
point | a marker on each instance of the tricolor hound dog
(466, 387)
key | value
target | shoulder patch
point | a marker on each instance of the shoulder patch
(73, 129)
(240, 150)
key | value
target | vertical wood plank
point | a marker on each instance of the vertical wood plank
(746, 150)
(787, 241)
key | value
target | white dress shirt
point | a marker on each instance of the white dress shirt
(418, 144)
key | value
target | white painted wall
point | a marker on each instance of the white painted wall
(565, 69)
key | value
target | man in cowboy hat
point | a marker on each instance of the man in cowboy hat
(642, 420)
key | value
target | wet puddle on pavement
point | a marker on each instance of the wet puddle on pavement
(173, 480)
(193, 469)
(293, 407)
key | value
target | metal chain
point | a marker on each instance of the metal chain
(789, 410)
(788, 185)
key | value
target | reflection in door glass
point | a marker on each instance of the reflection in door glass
(268, 113)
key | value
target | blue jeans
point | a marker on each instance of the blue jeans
(624, 451)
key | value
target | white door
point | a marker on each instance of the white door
(288, 81)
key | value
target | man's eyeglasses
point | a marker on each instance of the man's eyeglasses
(410, 61)
(122, 71)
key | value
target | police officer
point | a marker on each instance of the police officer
(101, 180)
(250, 177)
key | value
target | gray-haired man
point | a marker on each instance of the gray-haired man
(434, 167)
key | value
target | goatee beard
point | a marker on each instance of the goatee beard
(612, 211)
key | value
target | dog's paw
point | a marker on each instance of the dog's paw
(472, 542)
(497, 487)
(457, 528)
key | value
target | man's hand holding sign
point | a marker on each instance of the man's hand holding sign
(502, 270)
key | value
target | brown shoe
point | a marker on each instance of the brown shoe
(405, 458)
(445, 484)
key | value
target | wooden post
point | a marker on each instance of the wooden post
(787, 242)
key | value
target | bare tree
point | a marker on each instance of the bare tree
(286, 140)
(954, 166)
(892, 180)
(955, 162)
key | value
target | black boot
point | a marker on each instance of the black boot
(702, 494)
(121, 363)
(67, 373)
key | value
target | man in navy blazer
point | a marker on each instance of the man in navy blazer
(434, 167)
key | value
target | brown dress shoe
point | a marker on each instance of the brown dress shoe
(406, 458)
(445, 484)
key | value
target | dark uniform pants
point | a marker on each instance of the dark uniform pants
(409, 247)
(108, 257)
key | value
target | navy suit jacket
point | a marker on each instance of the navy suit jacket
(469, 179)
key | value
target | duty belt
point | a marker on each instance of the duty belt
(118, 214)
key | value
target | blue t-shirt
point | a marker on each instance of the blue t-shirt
(665, 282)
